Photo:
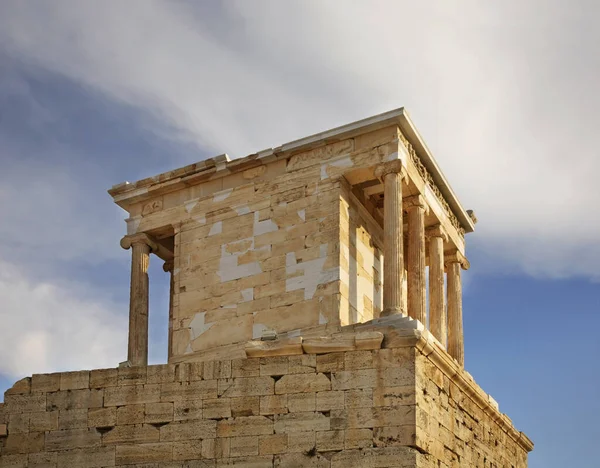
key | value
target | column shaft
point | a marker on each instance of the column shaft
(393, 262)
(437, 299)
(137, 352)
(416, 259)
(456, 346)
(168, 268)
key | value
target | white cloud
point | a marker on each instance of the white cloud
(503, 93)
(47, 327)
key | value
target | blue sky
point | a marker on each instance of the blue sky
(94, 93)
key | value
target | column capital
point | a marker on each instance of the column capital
(140, 238)
(389, 167)
(416, 201)
(457, 257)
(168, 266)
(436, 231)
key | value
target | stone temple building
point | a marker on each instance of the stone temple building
(315, 320)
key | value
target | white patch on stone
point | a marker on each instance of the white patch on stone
(230, 270)
(283, 203)
(176, 271)
(216, 228)
(200, 219)
(229, 306)
(247, 294)
(258, 329)
(322, 219)
(189, 349)
(189, 206)
(293, 333)
(302, 214)
(222, 195)
(290, 259)
(198, 325)
(262, 227)
(323, 250)
(342, 162)
(322, 319)
(241, 210)
(133, 224)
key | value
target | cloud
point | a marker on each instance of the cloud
(503, 93)
(42, 323)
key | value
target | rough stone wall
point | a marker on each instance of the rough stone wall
(377, 408)
(455, 430)
(361, 265)
(327, 411)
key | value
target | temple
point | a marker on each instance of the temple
(315, 319)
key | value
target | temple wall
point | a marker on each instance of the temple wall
(373, 408)
(259, 249)
(361, 265)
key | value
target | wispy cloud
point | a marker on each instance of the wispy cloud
(497, 90)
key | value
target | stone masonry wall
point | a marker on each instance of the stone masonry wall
(259, 249)
(379, 408)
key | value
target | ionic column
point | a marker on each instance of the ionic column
(456, 346)
(168, 268)
(141, 246)
(392, 174)
(437, 301)
(416, 208)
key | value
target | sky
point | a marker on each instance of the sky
(505, 94)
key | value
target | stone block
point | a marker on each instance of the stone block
(72, 419)
(158, 412)
(181, 391)
(102, 417)
(43, 460)
(333, 362)
(72, 439)
(329, 400)
(215, 448)
(360, 398)
(330, 440)
(183, 430)
(25, 403)
(131, 434)
(304, 364)
(144, 453)
(276, 365)
(3, 430)
(132, 375)
(164, 373)
(243, 446)
(75, 399)
(100, 378)
(400, 457)
(18, 423)
(301, 422)
(132, 394)
(272, 444)
(217, 408)
(23, 443)
(302, 402)
(187, 450)
(44, 383)
(245, 368)
(301, 460)
(358, 438)
(245, 406)
(299, 383)
(90, 458)
(273, 404)
(188, 409)
(246, 386)
(130, 414)
(20, 387)
(301, 441)
(245, 426)
(74, 380)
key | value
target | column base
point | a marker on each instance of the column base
(391, 311)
